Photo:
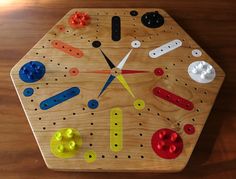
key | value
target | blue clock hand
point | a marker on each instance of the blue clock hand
(108, 82)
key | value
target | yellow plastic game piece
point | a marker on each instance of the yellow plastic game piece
(65, 143)
(90, 156)
(116, 129)
(139, 104)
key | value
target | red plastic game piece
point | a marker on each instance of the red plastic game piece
(75, 52)
(79, 20)
(189, 129)
(177, 100)
(167, 144)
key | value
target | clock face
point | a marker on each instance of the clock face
(117, 90)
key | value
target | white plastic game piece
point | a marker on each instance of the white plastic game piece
(172, 45)
(201, 72)
(136, 44)
(196, 53)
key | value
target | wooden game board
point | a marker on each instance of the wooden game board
(100, 98)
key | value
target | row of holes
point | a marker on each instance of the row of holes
(129, 156)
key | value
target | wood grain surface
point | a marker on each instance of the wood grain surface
(210, 23)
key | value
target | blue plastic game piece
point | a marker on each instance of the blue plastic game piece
(59, 98)
(28, 92)
(32, 71)
(93, 104)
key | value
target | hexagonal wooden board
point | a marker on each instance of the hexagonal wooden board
(130, 82)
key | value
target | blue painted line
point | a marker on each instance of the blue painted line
(59, 98)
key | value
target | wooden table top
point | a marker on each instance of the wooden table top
(210, 23)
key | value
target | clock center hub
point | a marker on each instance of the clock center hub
(115, 71)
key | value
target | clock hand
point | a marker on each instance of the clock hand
(122, 63)
(132, 71)
(109, 62)
(124, 83)
(108, 82)
(99, 71)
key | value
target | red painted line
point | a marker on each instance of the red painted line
(132, 71)
(172, 98)
(66, 48)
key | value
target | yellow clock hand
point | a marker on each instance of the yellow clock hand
(124, 83)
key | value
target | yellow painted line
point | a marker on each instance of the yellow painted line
(116, 129)
(125, 84)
